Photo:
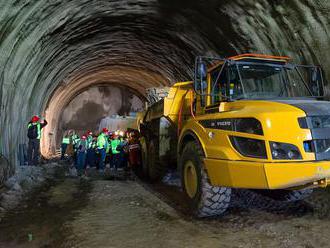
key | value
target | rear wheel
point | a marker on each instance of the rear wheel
(155, 168)
(297, 195)
(286, 195)
(205, 199)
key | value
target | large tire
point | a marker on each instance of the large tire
(297, 195)
(205, 199)
(155, 168)
(286, 195)
(270, 202)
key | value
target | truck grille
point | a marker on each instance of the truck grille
(322, 149)
(320, 130)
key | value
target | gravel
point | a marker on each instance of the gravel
(24, 180)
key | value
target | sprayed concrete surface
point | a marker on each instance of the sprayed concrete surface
(71, 212)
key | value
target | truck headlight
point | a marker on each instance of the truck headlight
(284, 151)
(253, 148)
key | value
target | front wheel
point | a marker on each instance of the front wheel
(155, 168)
(205, 200)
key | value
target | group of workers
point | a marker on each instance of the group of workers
(116, 150)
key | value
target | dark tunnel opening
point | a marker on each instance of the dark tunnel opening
(52, 51)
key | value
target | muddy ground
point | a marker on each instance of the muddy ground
(98, 212)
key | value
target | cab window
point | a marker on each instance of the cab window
(218, 84)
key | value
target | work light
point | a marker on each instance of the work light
(284, 151)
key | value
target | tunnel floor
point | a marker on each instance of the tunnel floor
(98, 212)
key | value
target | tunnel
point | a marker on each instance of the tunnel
(54, 51)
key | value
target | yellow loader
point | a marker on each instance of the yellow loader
(250, 122)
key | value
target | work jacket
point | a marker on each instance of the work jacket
(102, 142)
(114, 144)
(82, 145)
(74, 140)
(39, 127)
(89, 142)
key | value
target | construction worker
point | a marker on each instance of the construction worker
(102, 144)
(123, 148)
(134, 152)
(95, 160)
(115, 143)
(69, 149)
(74, 141)
(64, 145)
(34, 135)
(81, 154)
(108, 153)
(90, 156)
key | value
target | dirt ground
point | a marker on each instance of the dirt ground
(73, 212)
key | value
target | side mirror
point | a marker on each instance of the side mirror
(200, 77)
(316, 81)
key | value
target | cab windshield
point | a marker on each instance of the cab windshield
(244, 80)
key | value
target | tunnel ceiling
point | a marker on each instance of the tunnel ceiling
(50, 50)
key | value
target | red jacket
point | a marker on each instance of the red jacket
(134, 153)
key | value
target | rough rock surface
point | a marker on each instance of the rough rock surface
(5, 169)
(52, 50)
(23, 181)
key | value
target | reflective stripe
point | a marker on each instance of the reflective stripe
(75, 139)
(133, 146)
(89, 142)
(66, 140)
(39, 131)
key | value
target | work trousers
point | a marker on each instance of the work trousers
(33, 151)
(115, 161)
(81, 158)
(63, 150)
(102, 154)
(90, 158)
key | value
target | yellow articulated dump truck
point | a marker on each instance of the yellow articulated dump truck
(250, 121)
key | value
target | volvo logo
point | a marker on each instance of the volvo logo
(221, 123)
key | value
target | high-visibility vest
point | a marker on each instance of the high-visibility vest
(114, 144)
(75, 139)
(66, 140)
(102, 141)
(38, 128)
(89, 142)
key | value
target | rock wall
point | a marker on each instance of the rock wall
(87, 109)
(51, 50)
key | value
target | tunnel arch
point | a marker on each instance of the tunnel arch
(48, 45)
